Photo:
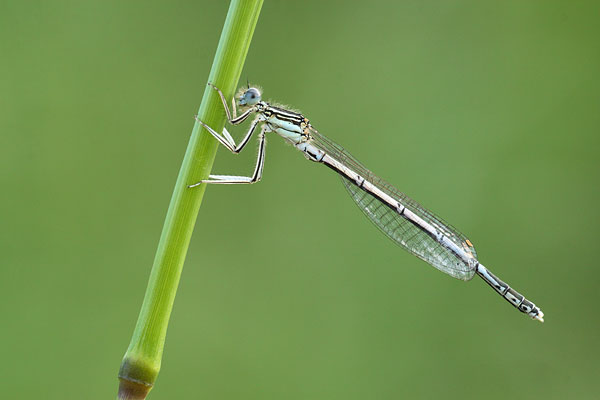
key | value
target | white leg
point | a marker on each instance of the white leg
(232, 179)
(226, 139)
(233, 119)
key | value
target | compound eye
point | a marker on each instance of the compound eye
(250, 97)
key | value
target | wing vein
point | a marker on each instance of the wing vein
(398, 228)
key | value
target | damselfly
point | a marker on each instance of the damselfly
(402, 219)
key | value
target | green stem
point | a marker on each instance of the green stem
(141, 362)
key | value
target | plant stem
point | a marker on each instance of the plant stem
(141, 362)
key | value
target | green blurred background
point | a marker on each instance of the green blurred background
(486, 112)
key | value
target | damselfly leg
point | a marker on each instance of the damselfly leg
(260, 161)
(231, 117)
(228, 141)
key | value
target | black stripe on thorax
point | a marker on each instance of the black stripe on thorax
(284, 115)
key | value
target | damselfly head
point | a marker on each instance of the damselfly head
(249, 97)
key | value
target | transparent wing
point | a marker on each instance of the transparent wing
(396, 227)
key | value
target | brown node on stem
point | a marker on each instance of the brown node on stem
(133, 390)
